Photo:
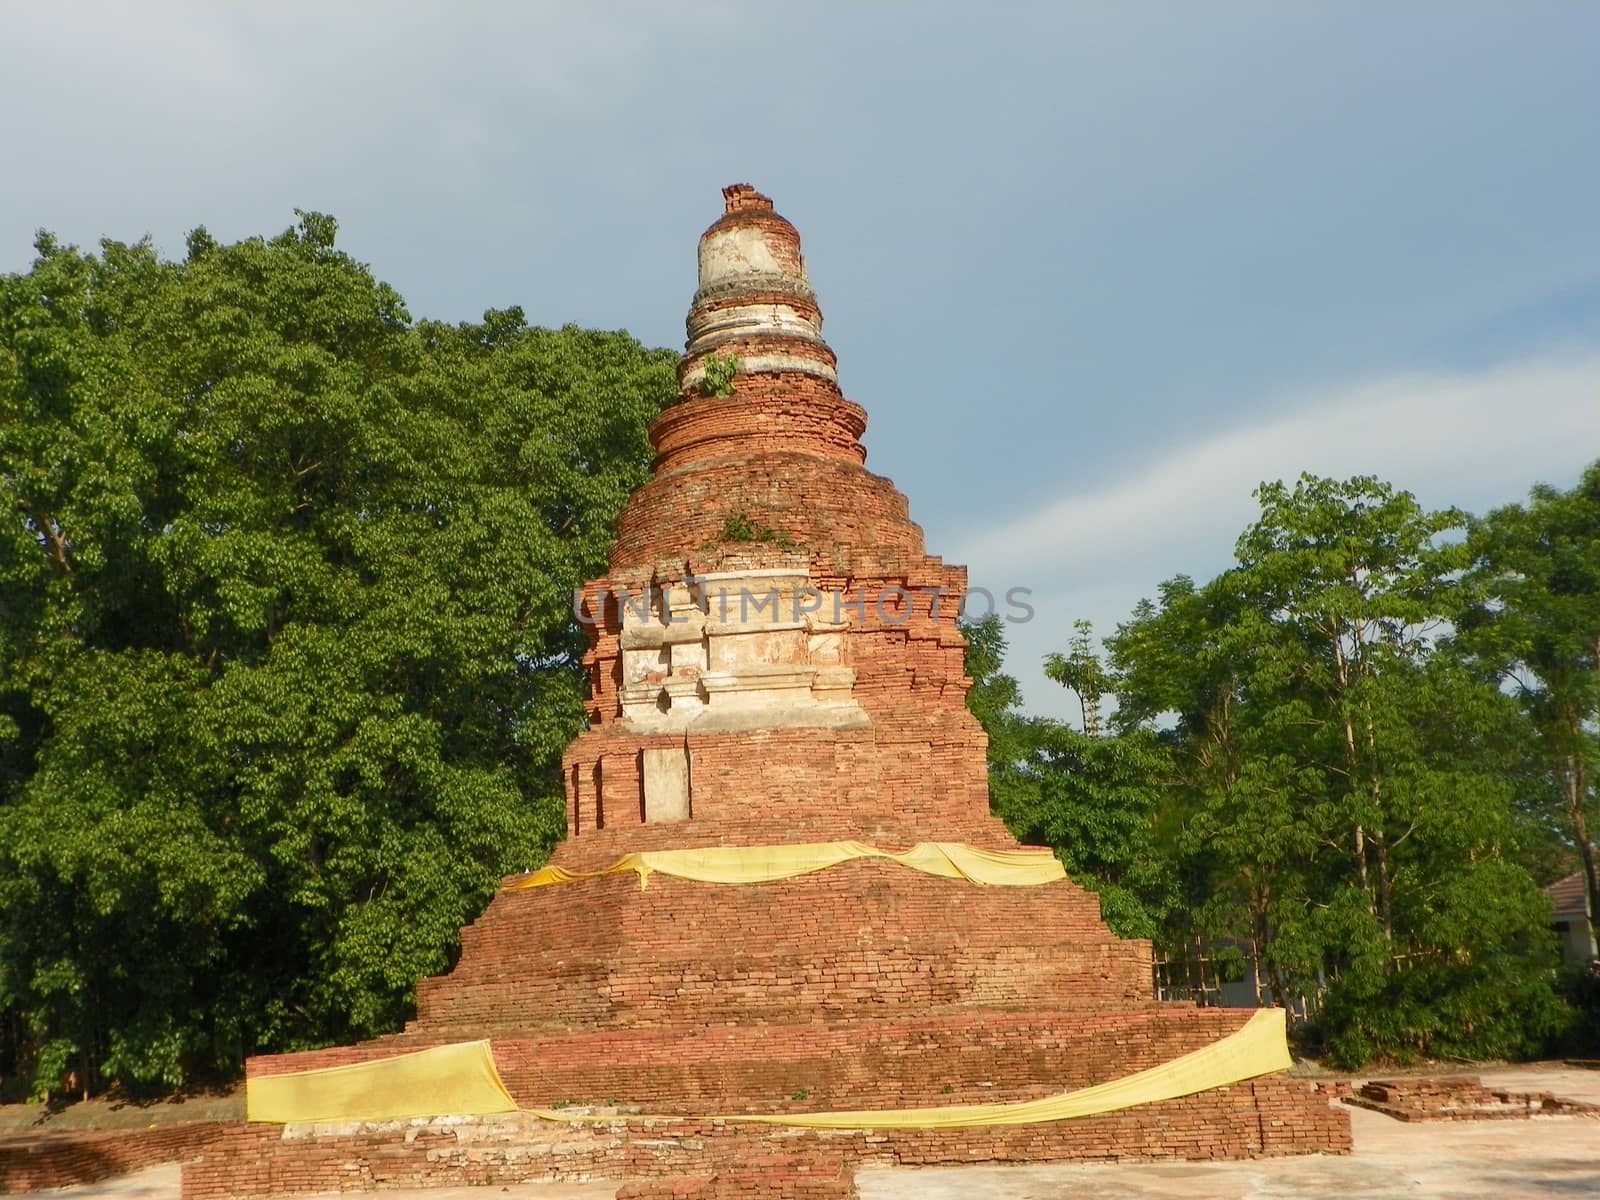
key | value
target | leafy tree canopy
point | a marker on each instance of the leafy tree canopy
(1313, 770)
(1347, 784)
(1534, 624)
(1093, 799)
(286, 651)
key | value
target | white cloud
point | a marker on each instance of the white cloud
(1468, 439)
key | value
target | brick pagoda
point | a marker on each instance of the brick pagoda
(774, 658)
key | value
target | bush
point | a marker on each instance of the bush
(1579, 987)
(1501, 1007)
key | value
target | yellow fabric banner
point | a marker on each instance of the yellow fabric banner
(455, 1080)
(763, 864)
(461, 1080)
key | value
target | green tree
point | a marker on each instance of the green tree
(1082, 673)
(1346, 788)
(1535, 623)
(286, 651)
(1091, 799)
(1230, 817)
(995, 699)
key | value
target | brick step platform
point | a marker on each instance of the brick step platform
(599, 848)
(960, 1057)
(970, 1058)
(1265, 1117)
(866, 937)
(761, 1177)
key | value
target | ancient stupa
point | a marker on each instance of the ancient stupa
(777, 675)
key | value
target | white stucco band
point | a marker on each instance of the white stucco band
(766, 362)
(739, 252)
(736, 320)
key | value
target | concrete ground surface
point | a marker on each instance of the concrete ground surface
(1546, 1158)
(152, 1183)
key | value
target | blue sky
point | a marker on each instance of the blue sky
(1095, 270)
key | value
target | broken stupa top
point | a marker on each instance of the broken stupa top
(754, 301)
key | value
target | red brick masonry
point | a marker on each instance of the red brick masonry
(1269, 1116)
(1461, 1098)
(31, 1161)
(865, 985)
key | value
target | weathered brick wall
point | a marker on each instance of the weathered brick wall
(34, 1161)
(839, 513)
(969, 1058)
(790, 417)
(917, 773)
(874, 785)
(1266, 1117)
(864, 938)
(903, 642)
(761, 1177)
(958, 1057)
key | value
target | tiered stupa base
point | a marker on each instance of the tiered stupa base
(1264, 1117)
(863, 986)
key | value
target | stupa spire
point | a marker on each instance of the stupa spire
(754, 302)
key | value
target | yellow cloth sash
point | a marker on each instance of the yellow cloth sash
(461, 1080)
(763, 864)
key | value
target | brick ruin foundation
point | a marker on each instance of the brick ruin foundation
(774, 658)
(1461, 1098)
(40, 1159)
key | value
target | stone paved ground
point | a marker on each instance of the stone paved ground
(1550, 1158)
(153, 1183)
(1555, 1158)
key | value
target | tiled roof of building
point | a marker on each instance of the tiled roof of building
(1567, 894)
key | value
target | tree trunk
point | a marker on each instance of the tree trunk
(1385, 892)
(1275, 981)
(1341, 669)
(1574, 784)
(1378, 837)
